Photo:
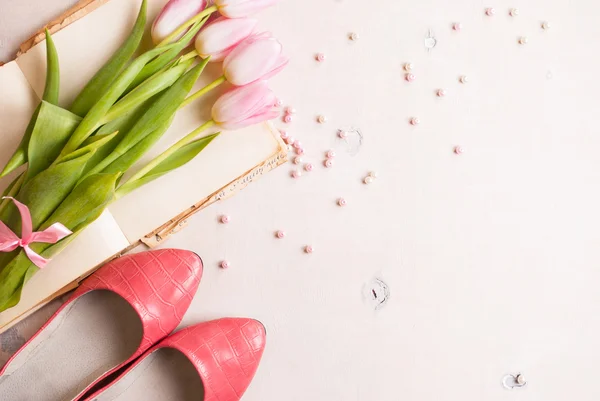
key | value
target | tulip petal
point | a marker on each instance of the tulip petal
(173, 15)
(280, 64)
(252, 59)
(251, 121)
(241, 106)
(221, 36)
(242, 8)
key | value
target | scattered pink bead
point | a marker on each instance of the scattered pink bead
(459, 150)
(308, 249)
(441, 92)
(320, 57)
(224, 264)
(289, 140)
(410, 77)
(296, 174)
(328, 163)
(278, 103)
(457, 26)
(299, 151)
(341, 202)
(280, 234)
(330, 154)
(415, 121)
(308, 167)
(284, 134)
(297, 144)
(290, 110)
(287, 118)
(297, 160)
(490, 11)
(341, 133)
(225, 219)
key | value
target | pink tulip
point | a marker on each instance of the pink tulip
(257, 57)
(173, 15)
(244, 106)
(221, 36)
(242, 8)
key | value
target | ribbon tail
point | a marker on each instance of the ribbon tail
(36, 259)
(52, 234)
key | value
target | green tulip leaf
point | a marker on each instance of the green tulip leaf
(105, 77)
(179, 158)
(147, 89)
(93, 118)
(123, 163)
(162, 110)
(51, 132)
(167, 57)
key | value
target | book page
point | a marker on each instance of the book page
(83, 47)
(101, 240)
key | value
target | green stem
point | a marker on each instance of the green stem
(182, 142)
(203, 91)
(188, 23)
(189, 55)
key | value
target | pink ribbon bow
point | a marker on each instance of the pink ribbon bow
(9, 241)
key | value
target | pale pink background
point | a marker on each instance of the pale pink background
(491, 257)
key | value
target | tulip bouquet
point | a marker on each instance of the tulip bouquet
(72, 160)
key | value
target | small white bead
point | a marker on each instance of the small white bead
(415, 121)
(490, 11)
(296, 174)
(523, 40)
(297, 160)
(441, 92)
(408, 67)
(368, 180)
(514, 12)
(321, 119)
(545, 25)
(373, 174)
(463, 79)
(353, 36)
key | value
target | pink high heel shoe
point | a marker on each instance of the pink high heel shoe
(212, 361)
(116, 314)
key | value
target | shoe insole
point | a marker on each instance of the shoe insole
(164, 375)
(94, 334)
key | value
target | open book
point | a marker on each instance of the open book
(85, 37)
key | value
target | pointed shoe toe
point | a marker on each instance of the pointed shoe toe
(116, 314)
(212, 361)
